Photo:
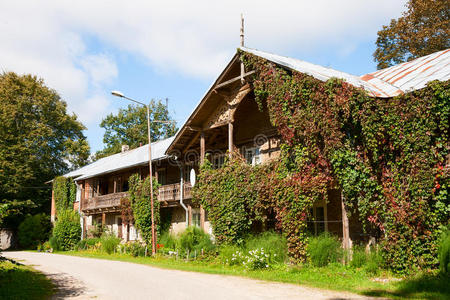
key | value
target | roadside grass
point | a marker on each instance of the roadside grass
(18, 281)
(334, 276)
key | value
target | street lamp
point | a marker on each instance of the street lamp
(121, 95)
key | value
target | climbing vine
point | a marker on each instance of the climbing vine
(64, 192)
(388, 156)
(139, 197)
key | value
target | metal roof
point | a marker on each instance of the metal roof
(384, 83)
(123, 160)
(414, 74)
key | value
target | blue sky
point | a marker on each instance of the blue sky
(175, 49)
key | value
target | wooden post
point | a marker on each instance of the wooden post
(230, 138)
(189, 215)
(202, 218)
(53, 210)
(103, 219)
(345, 228)
(202, 147)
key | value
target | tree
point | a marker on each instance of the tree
(39, 139)
(424, 28)
(129, 127)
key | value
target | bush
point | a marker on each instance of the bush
(87, 243)
(359, 257)
(195, 239)
(167, 241)
(109, 243)
(67, 231)
(34, 230)
(256, 259)
(54, 243)
(324, 249)
(444, 252)
(135, 248)
(274, 244)
(228, 252)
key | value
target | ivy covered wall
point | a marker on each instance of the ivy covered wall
(388, 156)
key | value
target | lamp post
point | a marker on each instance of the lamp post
(121, 95)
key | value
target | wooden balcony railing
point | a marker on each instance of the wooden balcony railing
(104, 201)
(168, 192)
(171, 192)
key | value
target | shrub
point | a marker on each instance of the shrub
(54, 243)
(87, 243)
(195, 239)
(359, 257)
(227, 252)
(374, 262)
(324, 249)
(274, 244)
(444, 252)
(256, 259)
(167, 241)
(34, 230)
(109, 243)
(67, 231)
(96, 230)
(134, 248)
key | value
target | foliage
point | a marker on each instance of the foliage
(167, 240)
(324, 249)
(371, 261)
(444, 252)
(134, 248)
(256, 259)
(54, 243)
(96, 230)
(230, 194)
(194, 239)
(64, 192)
(386, 155)
(67, 230)
(423, 29)
(139, 194)
(40, 141)
(89, 243)
(274, 244)
(126, 211)
(129, 127)
(109, 243)
(34, 230)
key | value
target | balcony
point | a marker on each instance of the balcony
(171, 192)
(168, 194)
(108, 201)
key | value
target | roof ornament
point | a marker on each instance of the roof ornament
(242, 30)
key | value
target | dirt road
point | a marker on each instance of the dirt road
(85, 278)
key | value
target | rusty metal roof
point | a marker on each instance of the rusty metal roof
(384, 83)
(411, 75)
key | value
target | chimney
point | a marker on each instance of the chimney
(125, 148)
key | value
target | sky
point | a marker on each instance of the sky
(174, 49)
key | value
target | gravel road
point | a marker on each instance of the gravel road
(86, 278)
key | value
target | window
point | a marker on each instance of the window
(252, 156)
(316, 222)
(218, 160)
(161, 176)
(196, 218)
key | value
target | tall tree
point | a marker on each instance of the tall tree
(424, 28)
(39, 141)
(129, 127)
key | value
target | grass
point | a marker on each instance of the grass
(333, 277)
(22, 282)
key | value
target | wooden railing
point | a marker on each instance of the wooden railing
(108, 200)
(171, 192)
(168, 192)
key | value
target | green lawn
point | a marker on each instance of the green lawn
(22, 282)
(334, 277)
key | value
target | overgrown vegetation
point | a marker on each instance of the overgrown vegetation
(64, 193)
(386, 155)
(67, 231)
(139, 196)
(444, 252)
(34, 230)
(325, 249)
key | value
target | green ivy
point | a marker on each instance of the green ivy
(139, 194)
(64, 192)
(388, 157)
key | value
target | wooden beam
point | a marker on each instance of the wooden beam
(202, 147)
(234, 79)
(194, 128)
(230, 138)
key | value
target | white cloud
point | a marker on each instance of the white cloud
(194, 38)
